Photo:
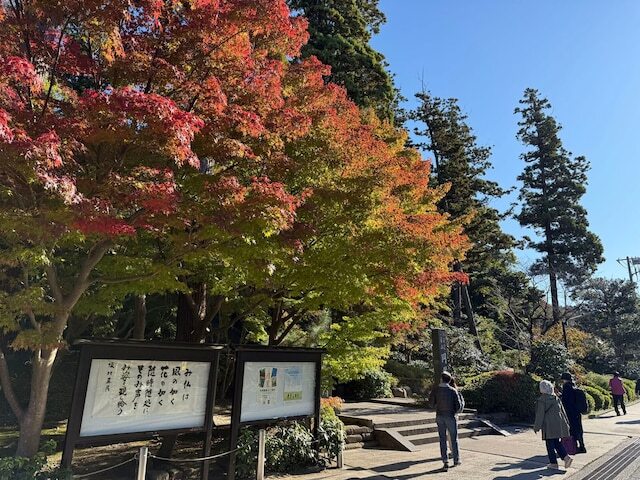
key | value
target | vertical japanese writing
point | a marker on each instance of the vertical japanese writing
(109, 376)
(139, 387)
(122, 390)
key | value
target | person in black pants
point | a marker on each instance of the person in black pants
(618, 392)
(575, 404)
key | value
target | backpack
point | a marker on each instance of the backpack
(581, 401)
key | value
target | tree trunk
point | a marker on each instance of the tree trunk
(187, 330)
(139, 316)
(31, 422)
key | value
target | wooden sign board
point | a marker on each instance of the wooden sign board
(133, 390)
(274, 384)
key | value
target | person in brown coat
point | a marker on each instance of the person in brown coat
(552, 420)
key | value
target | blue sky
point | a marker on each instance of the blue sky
(583, 55)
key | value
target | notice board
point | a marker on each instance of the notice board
(133, 390)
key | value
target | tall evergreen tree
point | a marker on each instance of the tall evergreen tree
(610, 310)
(553, 183)
(339, 35)
(462, 164)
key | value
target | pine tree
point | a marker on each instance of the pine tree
(553, 182)
(339, 35)
(461, 163)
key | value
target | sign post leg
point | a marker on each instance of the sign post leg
(340, 458)
(262, 436)
(142, 463)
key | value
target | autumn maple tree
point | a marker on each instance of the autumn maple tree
(156, 145)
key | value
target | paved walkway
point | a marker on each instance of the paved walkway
(521, 456)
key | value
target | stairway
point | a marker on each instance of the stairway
(404, 428)
(412, 435)
(359, 436)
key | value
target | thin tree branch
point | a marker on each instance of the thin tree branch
(54, 66)
(52, 278)
(7, 387)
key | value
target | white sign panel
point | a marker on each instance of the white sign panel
(278, 389)
(125, 396)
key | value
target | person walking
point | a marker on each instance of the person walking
(638, 387)
(446, 401)
(552, 420)
(618, 392)
(575, 404)
(453, 384)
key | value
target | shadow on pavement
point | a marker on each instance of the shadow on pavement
(536, 464)
(530, 463)
(629, 422)
(395, 467)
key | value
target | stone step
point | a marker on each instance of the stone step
(355, 446)
(430, 428)
(427, 438)
(359, 438)
(422, 420)
(356, 429)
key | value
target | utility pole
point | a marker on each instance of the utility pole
(631, 266)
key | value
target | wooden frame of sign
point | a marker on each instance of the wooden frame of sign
(139, 351)
(266, 356)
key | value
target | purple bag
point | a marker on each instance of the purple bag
(569, 444)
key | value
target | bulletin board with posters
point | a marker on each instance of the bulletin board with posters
(274, 384)
(132, 390)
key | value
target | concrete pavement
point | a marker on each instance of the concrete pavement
(520, 456)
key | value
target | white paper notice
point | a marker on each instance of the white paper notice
(125, 396)
(278, 390)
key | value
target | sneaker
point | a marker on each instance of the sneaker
(445, 467)
(582, 450)
(568, 461)
(553, 466)
(457, 464)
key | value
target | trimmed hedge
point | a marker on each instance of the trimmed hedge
(630, 388)
(591, 402)
(599, 399)
(503, 391)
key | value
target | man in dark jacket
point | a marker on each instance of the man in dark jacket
(446, 400)
(575, 403)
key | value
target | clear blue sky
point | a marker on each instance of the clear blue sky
(583, 55)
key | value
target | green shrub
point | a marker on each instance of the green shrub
(549, 359)
(597, 396)
(33, 468)
(417, 375)
(591, 402)
(516, 359)
(373, 384)
(503, 391)
(331, 438)
(630, 388)
(598, 379)
(290, 448)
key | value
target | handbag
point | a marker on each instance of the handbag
(569, 444)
